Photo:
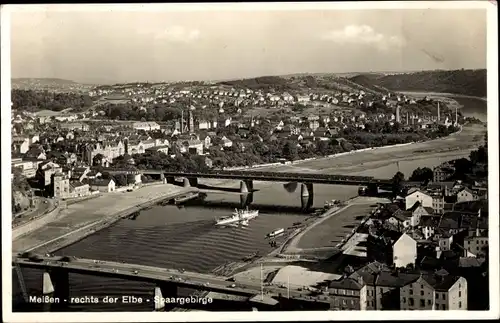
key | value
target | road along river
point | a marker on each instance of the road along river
(186, 238)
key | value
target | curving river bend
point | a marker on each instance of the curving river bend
(186, 238)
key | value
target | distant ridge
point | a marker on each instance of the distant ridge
(464, 82)
(44, 80)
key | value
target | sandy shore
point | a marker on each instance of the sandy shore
(90, 212)
(454, 146)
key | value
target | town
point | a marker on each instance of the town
(425, 249)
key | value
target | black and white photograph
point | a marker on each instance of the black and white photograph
(274, 161)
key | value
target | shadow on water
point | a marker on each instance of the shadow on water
(222, 189)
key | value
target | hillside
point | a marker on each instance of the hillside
(303, 83)
(463, 82)
(51, 81)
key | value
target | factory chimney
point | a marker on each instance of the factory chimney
(439, 114)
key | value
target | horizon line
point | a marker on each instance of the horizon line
(109, 82)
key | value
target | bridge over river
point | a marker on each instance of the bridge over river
(167, 281)
(248, 177)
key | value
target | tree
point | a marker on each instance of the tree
(290, 150)
(424, 174)
(120, 179)
(397, 181)
(479, 156)
(97, 160)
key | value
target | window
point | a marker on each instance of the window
(443, 307)
(404, 300)
(343, 302)
(459, 285)
(411, 291)
(411, 302)
(429, 302)
(444, 296)
(421, 293)
(422, 303)
(459, 293)
(459, 304)
(422, 286)
(352, 302)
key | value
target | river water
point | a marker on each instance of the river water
(167, 236)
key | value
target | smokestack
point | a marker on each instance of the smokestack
(439, 113)
(182, 121)
(478, 233)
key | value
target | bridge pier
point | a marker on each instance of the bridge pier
(56, 283)
(190, 182)
(162, 292)
(246, 186)
(372, 190)
(307, 195)
(246, 199)
(193, 181)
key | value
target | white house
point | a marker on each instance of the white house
(466, 195)
(418, 196)
(404, 251)
(103, 185)
(146, 126)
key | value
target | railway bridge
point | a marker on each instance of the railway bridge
(247, 178)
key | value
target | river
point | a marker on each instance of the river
(167, 236)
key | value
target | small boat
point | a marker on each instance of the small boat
(275, 233)
(238, 216)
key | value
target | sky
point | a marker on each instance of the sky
(127, 46)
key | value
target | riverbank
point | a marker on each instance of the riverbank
(367, 163)
(79, 220)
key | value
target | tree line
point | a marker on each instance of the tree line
(32, 101)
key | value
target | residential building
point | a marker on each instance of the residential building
(438, 203)
(163, 149)
(60, 183)
(103, 185)
(435, 292)
(476, 246)
(428, 225)
(418, 196)
(146, 126)
(79, 189)
(20, 145)
(74, 126)
(345, 294)
(466, 195)
(404, 251)
(442, 173)
(45, 172)
(27, 167)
